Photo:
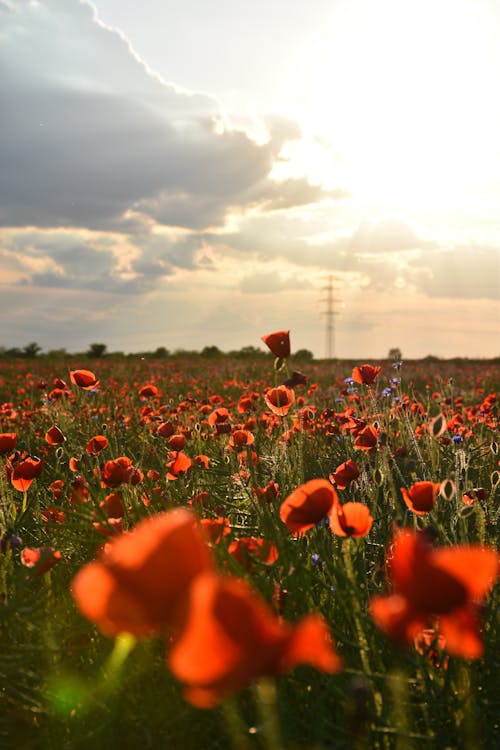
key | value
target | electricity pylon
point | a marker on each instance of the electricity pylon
(329, 314)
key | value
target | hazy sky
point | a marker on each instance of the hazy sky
(187, 174)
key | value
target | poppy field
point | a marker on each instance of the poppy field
(249, 553)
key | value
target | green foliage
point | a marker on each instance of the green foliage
(56, 692)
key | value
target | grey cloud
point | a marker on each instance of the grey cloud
(465, 272)
(89, 133)
(270, 283)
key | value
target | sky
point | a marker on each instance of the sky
(198, 173)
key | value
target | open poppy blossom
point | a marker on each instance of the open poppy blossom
(139, 582)
(120, 471)
(22, 469)
(279, 400)
(366, 439)
(344, 474)
(96, 444)
(421, 496)
(365, 374)
(429, 584)
(248, 548)
(54, 435)
(278, 342)
(230, 638)
(84, 379)
(308, 505)
(40, 559)
(149, 391)
(351, 519)
(179, 465)
(8, 441)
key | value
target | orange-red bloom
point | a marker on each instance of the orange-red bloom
(149, 391)
(230, 638)
(278, 342)
(54, 435)
(7, 442)
(41, 559)
(366, 439)
(279, 400)
(140, 581)
(421, 496)
(120, 471)
(351, 519)
(344, 474)
(179, 465)
(248, 548)
(84, 379)
(366, 374)
(96, 444)
(308, 505)
(428, 583)
(22, 469)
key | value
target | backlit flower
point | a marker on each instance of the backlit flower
(22, 469)
(365, 374)
(421, 496)
(230, 638)
(351, 519)
(140, 580)
(308, 505)
(84, 379)
(279, 400)
(427, 584)
(278, 342)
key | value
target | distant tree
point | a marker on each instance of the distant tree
(14, 351)
(304, 354)
(248, 351)
(395, 353)
(57, 353)
(211, 351)
(161, 352)
(96, 350)
(31, 350)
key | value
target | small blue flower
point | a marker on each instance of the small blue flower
(315, 558)
(348, 381)
(457, 439)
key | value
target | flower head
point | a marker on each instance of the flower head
(278, 342)
(308, 505)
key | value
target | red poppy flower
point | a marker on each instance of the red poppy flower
(140, 581)
(41, 559)
(165, 429)
(22, 469)
(241, 438)
(308, 505)
(430, 643)
(54, 435)
(7, 442)
(179, 465)
(249, 548)
(366, 439)
(279, 400)
(296, 378)
(366, 374)
(427, 583)
(218, 416)
(351, 519)
(344, 474)
(176, 442)
(96, 444)
(84, 379)
(113, 505)
(230, 638)
(215, 529)
(120, 471)
(269, 493)
(278, 342)
(421, 496)
(149, 391)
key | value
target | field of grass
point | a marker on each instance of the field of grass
(412, 660)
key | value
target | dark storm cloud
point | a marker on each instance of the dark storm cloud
(89, 134)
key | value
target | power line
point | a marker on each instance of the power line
(329, 314)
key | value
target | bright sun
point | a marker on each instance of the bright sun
(405, 93)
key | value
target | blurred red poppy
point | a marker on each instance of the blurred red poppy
(41, 559)
(84, 379)
(344, 474)
(149, 391)
(22, 469)
(215, 529)
(278, 342)
(366, 439)
(96, 444)
(230, 637)
(140, 581)
(248, 548)
(279, 400)
(54, 435)
(308, 505)
(120, 471)
(365, 374)
(428, 583)
(7, 442)
(351, 519)
(421, 496)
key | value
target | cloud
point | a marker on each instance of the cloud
(90, 134)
